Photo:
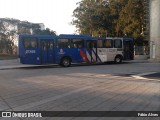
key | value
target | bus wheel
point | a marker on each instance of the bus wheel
(66, 62)
(118, 59)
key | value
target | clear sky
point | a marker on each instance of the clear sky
(55, 14)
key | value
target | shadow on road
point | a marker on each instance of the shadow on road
(153, 76)
(73, 65)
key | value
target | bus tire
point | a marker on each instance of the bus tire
(66, 62)
(118, 59)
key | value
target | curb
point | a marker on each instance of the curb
(24, 66)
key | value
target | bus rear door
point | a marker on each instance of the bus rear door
(128, 49)
(47, 51)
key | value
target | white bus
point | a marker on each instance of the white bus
(115, 49)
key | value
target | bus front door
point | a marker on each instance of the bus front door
(91, 51)
(47, 51)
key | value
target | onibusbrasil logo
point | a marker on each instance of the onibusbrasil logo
(21, 114)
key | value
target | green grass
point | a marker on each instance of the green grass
(7, 57)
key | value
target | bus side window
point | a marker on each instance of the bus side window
(77, 43)
(89, 44)
(117, 43)
(44, 45)
(26, 43)
(94, 44)
(63, 43)
(72, 43)
(30, 42)
(100, 43)
(51, 45)
(108, 43)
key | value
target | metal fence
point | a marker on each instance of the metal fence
(141, 50)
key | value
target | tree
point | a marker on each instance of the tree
(116, 7)
(91, 17)
(131, 17)
(116, 17)
(47, 31)
(10, 28)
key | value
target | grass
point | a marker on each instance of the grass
(7, 57)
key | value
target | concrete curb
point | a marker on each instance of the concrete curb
(138, 61)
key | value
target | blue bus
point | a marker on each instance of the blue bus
(67, 49)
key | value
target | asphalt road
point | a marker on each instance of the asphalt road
(109, 87)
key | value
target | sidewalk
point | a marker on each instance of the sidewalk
(13, 64)
(9, 62)
(138, 61)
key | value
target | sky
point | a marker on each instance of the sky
(55, 14)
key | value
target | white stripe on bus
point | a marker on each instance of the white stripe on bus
(88, 56)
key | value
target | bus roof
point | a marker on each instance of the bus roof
(72, 36)
(38, 36)
(104, 38)
(60, 36)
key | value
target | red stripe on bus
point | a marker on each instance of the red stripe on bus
(83, 56)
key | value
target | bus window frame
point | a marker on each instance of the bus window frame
(68, 43)
(30, 46)
(91, 45)
(47, 44)
(102, 44)
(112, 43)
(72, 40)
(121, 43)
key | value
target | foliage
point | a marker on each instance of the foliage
(9, 30)
(91, 17)
(114, 17)
(130, 21)
(6, 39)
(47, 31)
